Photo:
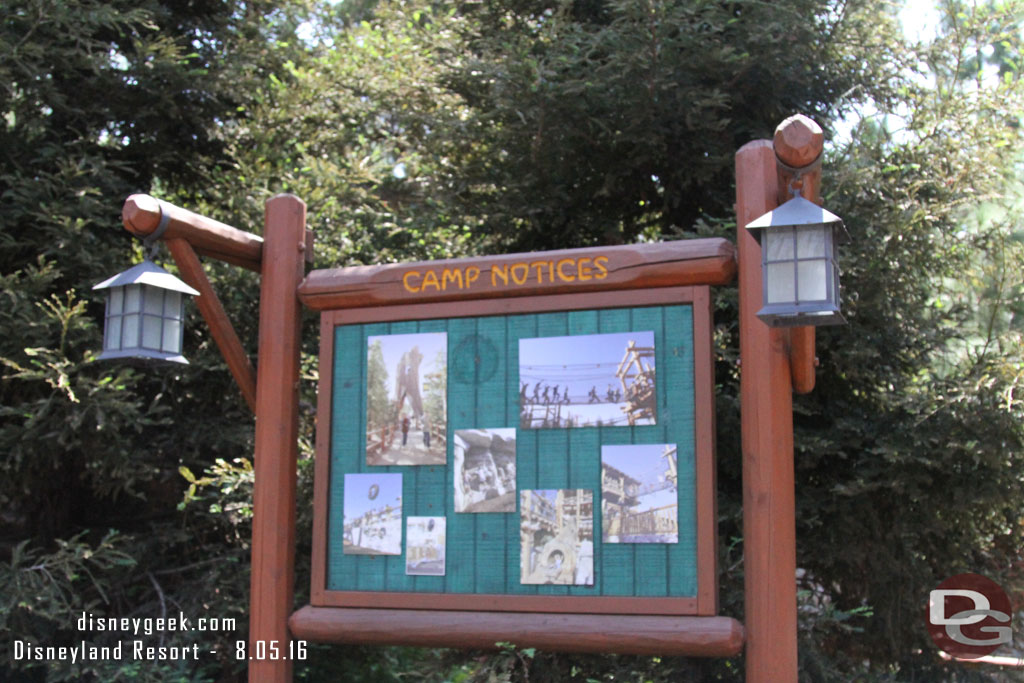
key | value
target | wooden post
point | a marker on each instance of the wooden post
(766, 404)
(217, 318)
(277, 425)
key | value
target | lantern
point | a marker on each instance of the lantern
(800, 273)
(145, 314)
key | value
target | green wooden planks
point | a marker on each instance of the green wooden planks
(483, 392)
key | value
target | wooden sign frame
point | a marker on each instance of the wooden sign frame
(619, 277)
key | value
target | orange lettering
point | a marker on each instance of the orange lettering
(563, 276)
(537, 267)
(525, 271)
(430, 279)
(472, 273)
(499, 271)
(451, 275)
(405, 281)
(602, 272)
(584, 271)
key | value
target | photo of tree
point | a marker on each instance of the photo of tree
(556, 536)
(484, 470)
(424, 546)
(373, 514)
(639, 499)
(406, 399)
(594, 380)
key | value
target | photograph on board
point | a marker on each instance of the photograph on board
(484, 470)
(424, 546)
(406, 399)
(639, 498)
(556, 534)
(592, 380)
(373, 514)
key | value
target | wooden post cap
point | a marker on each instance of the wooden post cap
(141, 214)
(798, 141)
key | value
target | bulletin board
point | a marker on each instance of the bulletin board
(483, 564)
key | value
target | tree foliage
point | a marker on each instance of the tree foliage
(421, 130)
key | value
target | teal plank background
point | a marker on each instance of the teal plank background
(483, 392)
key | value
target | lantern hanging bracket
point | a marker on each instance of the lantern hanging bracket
(797, 182)
(150, 241)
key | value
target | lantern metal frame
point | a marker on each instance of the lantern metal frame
(779, 232)
(145, 314)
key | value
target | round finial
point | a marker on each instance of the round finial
(141, 214)
(798, 141)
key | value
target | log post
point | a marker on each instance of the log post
(798, 144)
(277, 427)
(775, 361)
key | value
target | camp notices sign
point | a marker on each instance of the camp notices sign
(543, 446)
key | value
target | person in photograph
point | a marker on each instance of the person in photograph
(557, 537)
(565, 373)
(406, 398)
(484, 470)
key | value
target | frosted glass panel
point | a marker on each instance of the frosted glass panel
(132, 299)
(152, 331)
(115, 301)
(780, 282)
(130, 332)
(778, 244)
(172, 336)
(154, 300)
(811, 276)
(810, 242)
(172, 305)
(112, 339)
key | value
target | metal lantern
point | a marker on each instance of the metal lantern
(145, 314)
(799, 264)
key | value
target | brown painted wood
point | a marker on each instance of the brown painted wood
(512, 306)
(799, 143)
(322, 462)
(277, 426)
(707, 487)
(667, 264)
(142, 213)
(769, 525)
(689, 636)
(802, 359)
(216, 318)
(706, 601)
(471, 602)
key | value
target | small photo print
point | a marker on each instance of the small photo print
(373, 514)
(592, 380)
(556, 536)
(485, 470)
(639, 498)
(406, 399)
(424, 546)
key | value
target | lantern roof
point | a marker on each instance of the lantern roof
(147, 273)
(797, 212)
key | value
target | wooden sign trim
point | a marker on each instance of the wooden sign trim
(704, 603)
(709, 261)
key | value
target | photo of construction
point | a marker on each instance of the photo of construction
(594, 380)
(639, 499)
(484, 470)
(424, 546)
(557, 536)
(406, 399)
(373, 514)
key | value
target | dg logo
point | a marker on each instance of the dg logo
(969, 616)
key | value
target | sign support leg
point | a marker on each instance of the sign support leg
(277, 425)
